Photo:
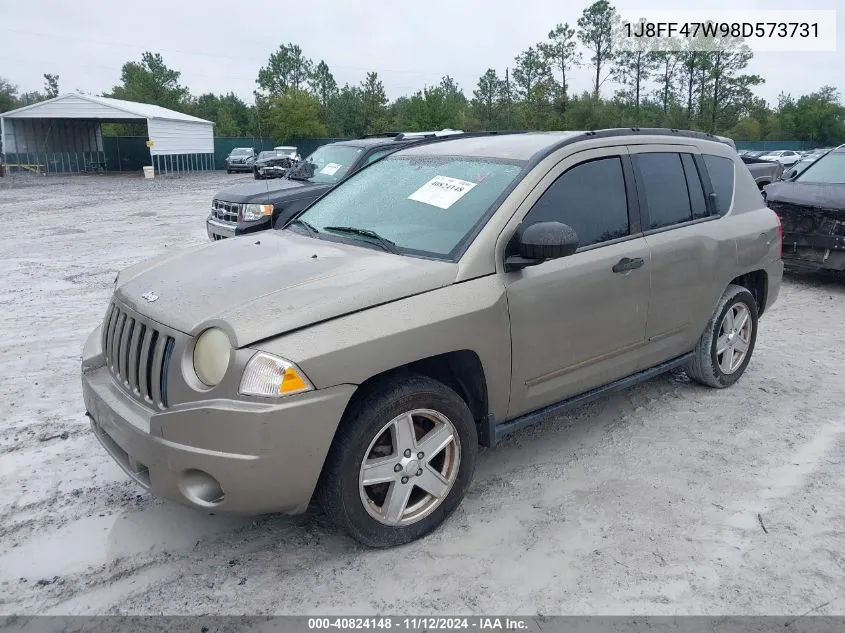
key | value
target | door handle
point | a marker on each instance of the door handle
(626, 264)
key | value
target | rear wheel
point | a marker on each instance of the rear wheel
(724, 350)
(400, 463)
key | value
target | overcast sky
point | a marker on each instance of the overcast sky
(219, 47)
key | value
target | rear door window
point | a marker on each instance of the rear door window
(721, 172)
(664, 185)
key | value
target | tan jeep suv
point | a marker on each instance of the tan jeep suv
(443, 297)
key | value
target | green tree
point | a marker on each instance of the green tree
(747, 129)
(434, 108)
(51, 85)
(286, 68)
(8, 96)
(486, 99)
(729, 88)
(345, 112)
(633, 69)
(151, 81)
(532, 79)
(229, 113)
(595, 30)
(324, 87)
(373, 111)
(561, 53)
(820, 117)
(295, 114)
(667, 65)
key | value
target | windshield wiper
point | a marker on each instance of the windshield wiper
(385, 243)
(311, 229)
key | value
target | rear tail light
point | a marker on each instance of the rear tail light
(780, 235)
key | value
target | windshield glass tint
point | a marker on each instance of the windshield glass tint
(830, 169)
(426, 205)
(330, 163)
(266, 155)
(241, 152)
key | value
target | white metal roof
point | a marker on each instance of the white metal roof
(80, 106)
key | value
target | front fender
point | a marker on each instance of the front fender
(472, 315)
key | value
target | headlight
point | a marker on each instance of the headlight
(211, 356)
(271, 376)
(257, 211)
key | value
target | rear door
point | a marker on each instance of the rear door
(689, 257)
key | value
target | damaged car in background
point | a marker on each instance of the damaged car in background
(275, 163)
(811, 207)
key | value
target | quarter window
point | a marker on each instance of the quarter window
(590, 198)
(721, 172)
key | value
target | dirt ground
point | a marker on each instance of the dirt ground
(668, 498)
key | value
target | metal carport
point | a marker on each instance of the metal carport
(64, 135)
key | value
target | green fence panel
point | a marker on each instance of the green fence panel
(774, 145)
(126, 153)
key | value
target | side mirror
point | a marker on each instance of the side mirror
(792, 173)
(540, 242)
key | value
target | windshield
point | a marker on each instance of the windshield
(328, 164)
(266, 155)
(241, 152)
(425, 205)
(829, 169)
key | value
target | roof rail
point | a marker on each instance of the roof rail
(444, 132)
(381, 135)
(423, 140)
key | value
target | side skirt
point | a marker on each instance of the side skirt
(492, 433)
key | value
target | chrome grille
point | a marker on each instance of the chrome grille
(225, 211)
(137, 355)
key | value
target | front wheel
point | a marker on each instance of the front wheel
(400, 463)
(724, 350)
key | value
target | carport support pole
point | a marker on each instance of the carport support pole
(3, 141)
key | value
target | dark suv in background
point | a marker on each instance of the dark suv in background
(252, 207)
(240, 159)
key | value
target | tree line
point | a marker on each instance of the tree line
(295, 97)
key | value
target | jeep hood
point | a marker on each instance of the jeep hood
(259, 286)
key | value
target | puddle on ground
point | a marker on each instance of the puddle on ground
(95, 541)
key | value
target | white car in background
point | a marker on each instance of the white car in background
(785, 157)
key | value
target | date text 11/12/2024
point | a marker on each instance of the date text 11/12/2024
(419, 624)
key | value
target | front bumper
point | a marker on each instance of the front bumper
(808, 252)
(239, 167)
(234, 456)
(218, 230)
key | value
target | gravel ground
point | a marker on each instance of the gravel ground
(669, 498)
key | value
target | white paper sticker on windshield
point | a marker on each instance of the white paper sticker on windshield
(330, 169)
(442, 192)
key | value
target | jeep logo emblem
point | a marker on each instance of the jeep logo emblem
(150, 296)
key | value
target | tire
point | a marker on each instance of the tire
(228, 171)
(255, 173)
(369, 430)
(712, 368)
